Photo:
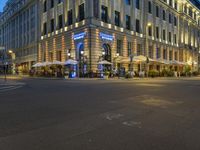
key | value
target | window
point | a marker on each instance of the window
(157, 32)
(164, 54)
(117, 18)
(128, 2)
(45, 28)
(139, 49)
(137, 26)
(170, 55)
(59, 1)
(151, 52)
(176, 55)
(175, 5)
(150, 7)
(129, 48)
(164, 35)
(81, 12)
(70, 17)
(175, 21)
(45, 6)
(170, 2)
(104, 14)
(128, 22)
(138, 4)
(157, 11)
(96, 8)
(119, 47)
(175, 41)
(164, 15)
(170, 18)
(52, 25)
(157, 52)
(150, 31)
(60, 21)
(170, 37)
(52, 3)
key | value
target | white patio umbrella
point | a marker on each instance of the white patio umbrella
(57, 63)
(37, 65)
(46, 63)
(104, 62)
(71, 62)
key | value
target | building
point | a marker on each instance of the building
(165, 32)
(19, 26)
(117, 30)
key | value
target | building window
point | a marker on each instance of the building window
(129, 48)
(164, 15)
(119, 47)
(104, 13)
(150, 31)
(175, 5)
(70, 17)
(175, 21)
(52, 25)
(164, 54)
(170, 18)
(117, 18)
(45, 28)
(158, 53)
(164, 35)
(176, 55)
(81, 12)
(60, 21)
(138, 4)
(175, 40)
(137, 26)
(45, 6)
(59, 1)
(128, 2)
(139, 49)
(157, 11)
(157, 32)
(170, 55)
(151, 52)
(150, 7)
(96, 8)
(170, 3)
(170, 37)
(52, 3)
(128, 22)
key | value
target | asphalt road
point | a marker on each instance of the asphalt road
(101, 115)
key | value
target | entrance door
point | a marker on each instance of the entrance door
(107, 56)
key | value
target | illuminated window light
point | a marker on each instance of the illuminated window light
(122, 29)
(109, 26)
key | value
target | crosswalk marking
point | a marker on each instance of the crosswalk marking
(5, 88)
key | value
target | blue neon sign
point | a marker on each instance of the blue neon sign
(106, 37)
(79, 36)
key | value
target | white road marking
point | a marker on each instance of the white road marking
(2, 90)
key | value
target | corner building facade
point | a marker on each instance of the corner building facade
(117, 30)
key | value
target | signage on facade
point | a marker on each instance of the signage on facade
(108, 37)
(79, 36)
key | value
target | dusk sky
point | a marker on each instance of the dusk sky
(2, 3)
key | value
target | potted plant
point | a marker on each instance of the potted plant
(106, 74)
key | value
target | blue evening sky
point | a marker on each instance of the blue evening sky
(2, 3)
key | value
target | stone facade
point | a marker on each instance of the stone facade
(141, 34)
(19, 24)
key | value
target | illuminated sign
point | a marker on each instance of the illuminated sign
(106, 37)
(79, 36)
